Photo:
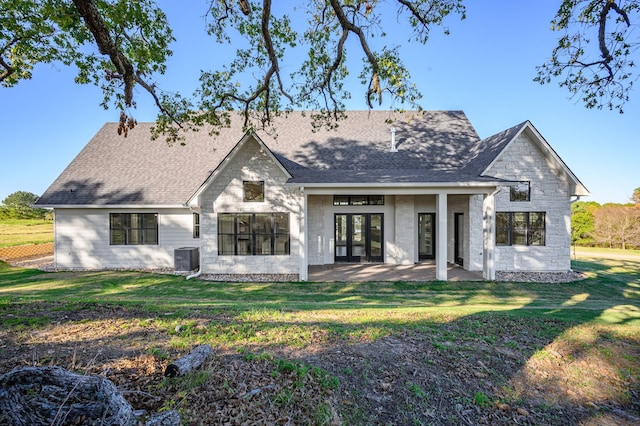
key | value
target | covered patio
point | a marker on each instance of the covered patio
(422, 271)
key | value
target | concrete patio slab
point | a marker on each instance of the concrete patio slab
(423, 271)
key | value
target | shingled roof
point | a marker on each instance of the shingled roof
(432, 147)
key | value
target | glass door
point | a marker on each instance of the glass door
(458, 238)
(359, 237)
(375, 238)
(341, 238)
(426, 236)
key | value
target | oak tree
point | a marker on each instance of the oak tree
(120, 45)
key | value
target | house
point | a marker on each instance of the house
(391, 187)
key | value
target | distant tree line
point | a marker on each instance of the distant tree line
(608, 225)
(19, 205)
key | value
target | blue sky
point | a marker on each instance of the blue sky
(485, 67)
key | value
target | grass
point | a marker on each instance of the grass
(610, 294)
(586, 249)
(592, 322)
(15, 232)
(295, 313)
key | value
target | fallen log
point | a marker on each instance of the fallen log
(191, 361)
(52, 396)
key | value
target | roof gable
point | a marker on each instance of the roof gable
(228, 159)
(498, 144)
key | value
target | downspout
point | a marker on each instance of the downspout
(199, 271)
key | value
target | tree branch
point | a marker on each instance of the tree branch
(602, 42)
(422, 17)
(8, 69)
(374, 81)
(106, 45)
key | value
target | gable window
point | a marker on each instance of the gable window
(252, 234)
(133, 228)
(358, 200)
(520, 228)
(521, 191)
(253, 190)
(196, 225)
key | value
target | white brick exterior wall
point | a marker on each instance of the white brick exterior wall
(320, 228)
(404, 248)
(473, 259)
(225, 195)
(550, 193)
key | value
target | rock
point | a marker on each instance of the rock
(503, 407)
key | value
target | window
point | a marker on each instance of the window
(133, 228)
(253, 190)
(520, 228)
(253, 234)
(196, 225)
(521, 191)
(358, 200)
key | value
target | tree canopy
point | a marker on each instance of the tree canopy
(19, 205)
(120, 45)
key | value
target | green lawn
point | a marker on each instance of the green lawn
(610, 295)
(15, 232)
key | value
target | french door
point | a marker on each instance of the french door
(359, 237)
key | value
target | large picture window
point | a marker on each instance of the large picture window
(253, 234)
(520, 228)
(133, 228)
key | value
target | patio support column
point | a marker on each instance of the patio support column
(302, 237)
(489, 224)
(441, 237)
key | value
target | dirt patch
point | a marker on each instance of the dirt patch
(26, 252)
(406, 378)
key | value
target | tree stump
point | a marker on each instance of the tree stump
(52, 396)
(192, 361)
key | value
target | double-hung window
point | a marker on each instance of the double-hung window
(253, 234)
(520, 228)
(133, 228)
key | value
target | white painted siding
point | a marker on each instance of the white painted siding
(550, 193)
(82, 240)
(225, 195)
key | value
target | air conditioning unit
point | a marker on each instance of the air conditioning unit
(186, 259)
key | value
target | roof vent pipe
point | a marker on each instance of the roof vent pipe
(393, 140)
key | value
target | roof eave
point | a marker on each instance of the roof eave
(112, 206)
(474, 184)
